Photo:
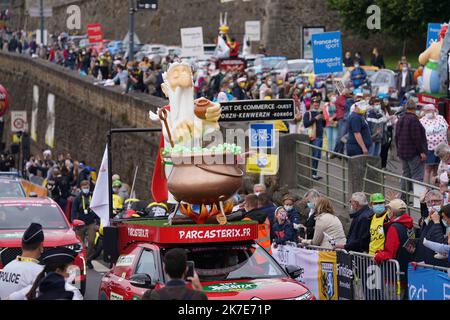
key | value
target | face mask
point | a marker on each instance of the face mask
(437, 209)
(356, 66)
(288, 208)
(308, 95)
(333, 99)
(311, 205)
(85, 190)
(418, 112)
(377, 108)
(429, 116)
(257, 193)
(405, 70)
(116, 190)
(379, 208)
(269, 83)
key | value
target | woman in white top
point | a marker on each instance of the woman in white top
(436, 129)
(328, 230)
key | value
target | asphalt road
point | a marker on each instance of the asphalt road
(93, 280)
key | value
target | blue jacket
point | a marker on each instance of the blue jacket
(283, 232)
(294, 216)
(358, 238)
(357, 82)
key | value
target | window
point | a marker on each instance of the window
(18, 216)
(147, 265)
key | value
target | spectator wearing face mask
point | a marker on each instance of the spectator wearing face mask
(348, 59)
(309, 200)
(293, 214)
(377, 124)
(358, 237)
(330, 114)
(239, 92)
(377, 222)
(358, 75)
(328, 231)
(436, 130)
(432, 228)
(266, 86)
(405, 81)
(81, 211)
(253, 213)
(259, 188)
(283, 229)
(359, 137)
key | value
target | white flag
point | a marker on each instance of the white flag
(222, 49)
(100, 199)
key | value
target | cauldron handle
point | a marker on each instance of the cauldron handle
(221, 173)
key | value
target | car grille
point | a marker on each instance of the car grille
(9, 254)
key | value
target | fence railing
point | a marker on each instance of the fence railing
(391, 181)
(334, 183)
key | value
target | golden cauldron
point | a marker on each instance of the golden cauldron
(204, 179)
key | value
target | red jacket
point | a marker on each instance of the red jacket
(392, 242)
(340, 107)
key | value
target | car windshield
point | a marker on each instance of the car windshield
(11, 189)
(233, 262)
(16, 216)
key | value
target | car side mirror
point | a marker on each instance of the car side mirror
(141, 280)
(293, 271)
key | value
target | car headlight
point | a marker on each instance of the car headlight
(307, 296)
(77, 247)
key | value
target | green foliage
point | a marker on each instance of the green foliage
(401, 19)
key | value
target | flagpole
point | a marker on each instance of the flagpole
(110, 195)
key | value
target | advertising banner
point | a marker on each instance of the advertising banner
(344, 275)
(428, 284)
(253, 30)
(327, 52)
(433, 33)
(95, 33)
(307, 33)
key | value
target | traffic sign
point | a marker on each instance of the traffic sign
(18, 121)
(147, 5)
(266, 164)
(95, 33)
(262, 136)
(36, 12)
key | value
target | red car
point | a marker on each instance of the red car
(17, 214)
(229, 268)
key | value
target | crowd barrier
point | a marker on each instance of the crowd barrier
(341, 275)
(426, 282)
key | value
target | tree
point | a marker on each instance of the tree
(401, 19)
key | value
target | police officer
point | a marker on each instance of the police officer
(81, 211)
(51, 283)
(22, 272)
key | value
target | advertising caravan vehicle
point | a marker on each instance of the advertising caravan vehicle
(229, 262)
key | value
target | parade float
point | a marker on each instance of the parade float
(434, 86)
(198, 176)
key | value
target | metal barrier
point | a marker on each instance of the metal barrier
(392, 181)
(334, 173)
(370, 280)
(375, 282)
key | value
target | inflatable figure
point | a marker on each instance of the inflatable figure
(430, 58)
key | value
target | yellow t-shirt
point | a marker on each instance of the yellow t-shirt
(117, 202)
(377, 234)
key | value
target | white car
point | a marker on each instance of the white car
(294, 67)
(152, 50)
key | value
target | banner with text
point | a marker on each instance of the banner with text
(192, 42)
(428, 284)
(327, 52)
(257, 110)
(433, 33)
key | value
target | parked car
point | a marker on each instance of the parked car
(15, 217)
(115, 47)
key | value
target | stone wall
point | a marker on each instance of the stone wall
(83, 116)
(281, 22)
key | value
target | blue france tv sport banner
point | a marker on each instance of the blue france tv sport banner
(428, 284)
(327, 52)
(433, 32)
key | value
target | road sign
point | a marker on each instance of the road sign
(262, 136)
(95, 33)
(192, 42)
(327, 52)
(18, 121)
(147, 5)
(266, 164)
(253, 30)
(36, 12)
(257, 110)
